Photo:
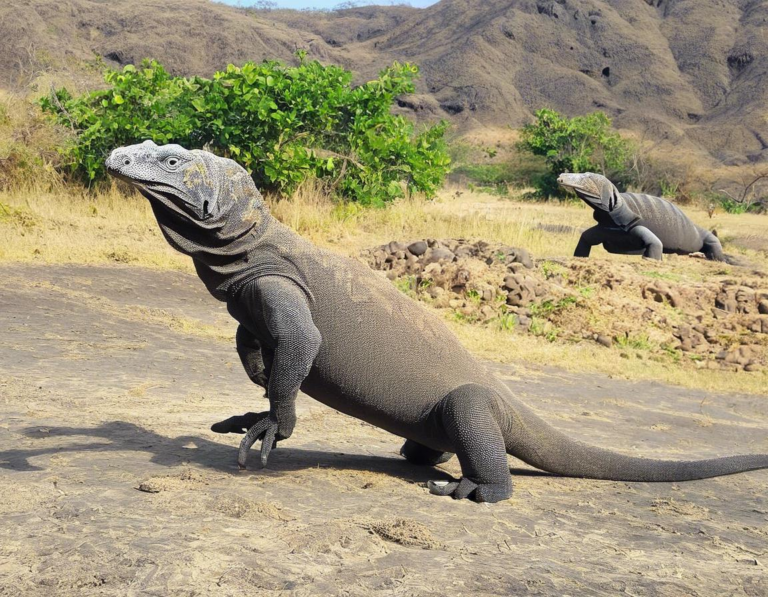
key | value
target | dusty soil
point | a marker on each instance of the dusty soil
(689, 311)
(112, 484)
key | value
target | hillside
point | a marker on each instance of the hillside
(690, 73)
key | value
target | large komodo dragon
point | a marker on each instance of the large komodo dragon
(633, 224)
(316, 321)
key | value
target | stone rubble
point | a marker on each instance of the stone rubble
(720, 323)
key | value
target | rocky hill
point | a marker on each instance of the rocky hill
(693, 73)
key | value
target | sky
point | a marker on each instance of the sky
(299, 4)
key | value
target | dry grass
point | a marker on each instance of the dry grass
(27, 144)
(69, 226)
(457, 213)
(66, 226)
(454, 214)
(587, 357)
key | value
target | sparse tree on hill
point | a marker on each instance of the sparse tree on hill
(264, 5)
(747, 192)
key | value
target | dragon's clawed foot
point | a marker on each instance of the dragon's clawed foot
(465, 488)
(256, 426)
(265, 429)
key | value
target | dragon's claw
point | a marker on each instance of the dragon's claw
(265, 429)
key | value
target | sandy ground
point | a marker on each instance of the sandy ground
(112, 484)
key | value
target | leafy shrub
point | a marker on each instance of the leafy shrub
(732, 206)
(579, 144)
(747, 192)
(283, 124)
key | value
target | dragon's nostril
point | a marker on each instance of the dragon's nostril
(126, 161)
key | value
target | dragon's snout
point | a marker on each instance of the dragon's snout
(116, 160)
(123, 157)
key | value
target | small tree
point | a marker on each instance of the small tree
(579, 144)
(747, 191)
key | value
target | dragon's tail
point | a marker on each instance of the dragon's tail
(735, 260)
(537, 443)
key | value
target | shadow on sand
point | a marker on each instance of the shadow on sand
(188, 449)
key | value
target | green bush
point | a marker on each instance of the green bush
(732, 206)
(579, 144)
(283, 124)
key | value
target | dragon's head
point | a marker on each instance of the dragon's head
(195, 184)
(596, 190)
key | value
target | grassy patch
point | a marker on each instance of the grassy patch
(543, 328)
(506, 322)
(662, 275)
(17, 216)
(634, 341)
(71, 226)
(407, 285)
(28, 143)
(548, 307)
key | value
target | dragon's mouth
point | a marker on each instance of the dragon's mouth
(168, 195)
(165, 194)
(119, 175)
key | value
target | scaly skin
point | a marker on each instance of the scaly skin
(315, 321)
(635, 224)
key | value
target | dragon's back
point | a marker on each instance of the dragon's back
(675, 230)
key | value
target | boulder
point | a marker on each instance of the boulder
(396, 246)
(438, 254)
(418, 248)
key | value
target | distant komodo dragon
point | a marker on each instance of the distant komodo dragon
(633, 224)
(330, 326)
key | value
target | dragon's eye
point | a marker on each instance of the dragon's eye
(172, 162)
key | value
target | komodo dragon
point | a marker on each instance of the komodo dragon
(632, 224)
(328, 325)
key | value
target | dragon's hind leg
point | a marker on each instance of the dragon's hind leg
(467, 420)
(712, 248)
(415, 453)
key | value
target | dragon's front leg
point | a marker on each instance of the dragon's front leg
(280, 307)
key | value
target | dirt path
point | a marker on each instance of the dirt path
(106, 386)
